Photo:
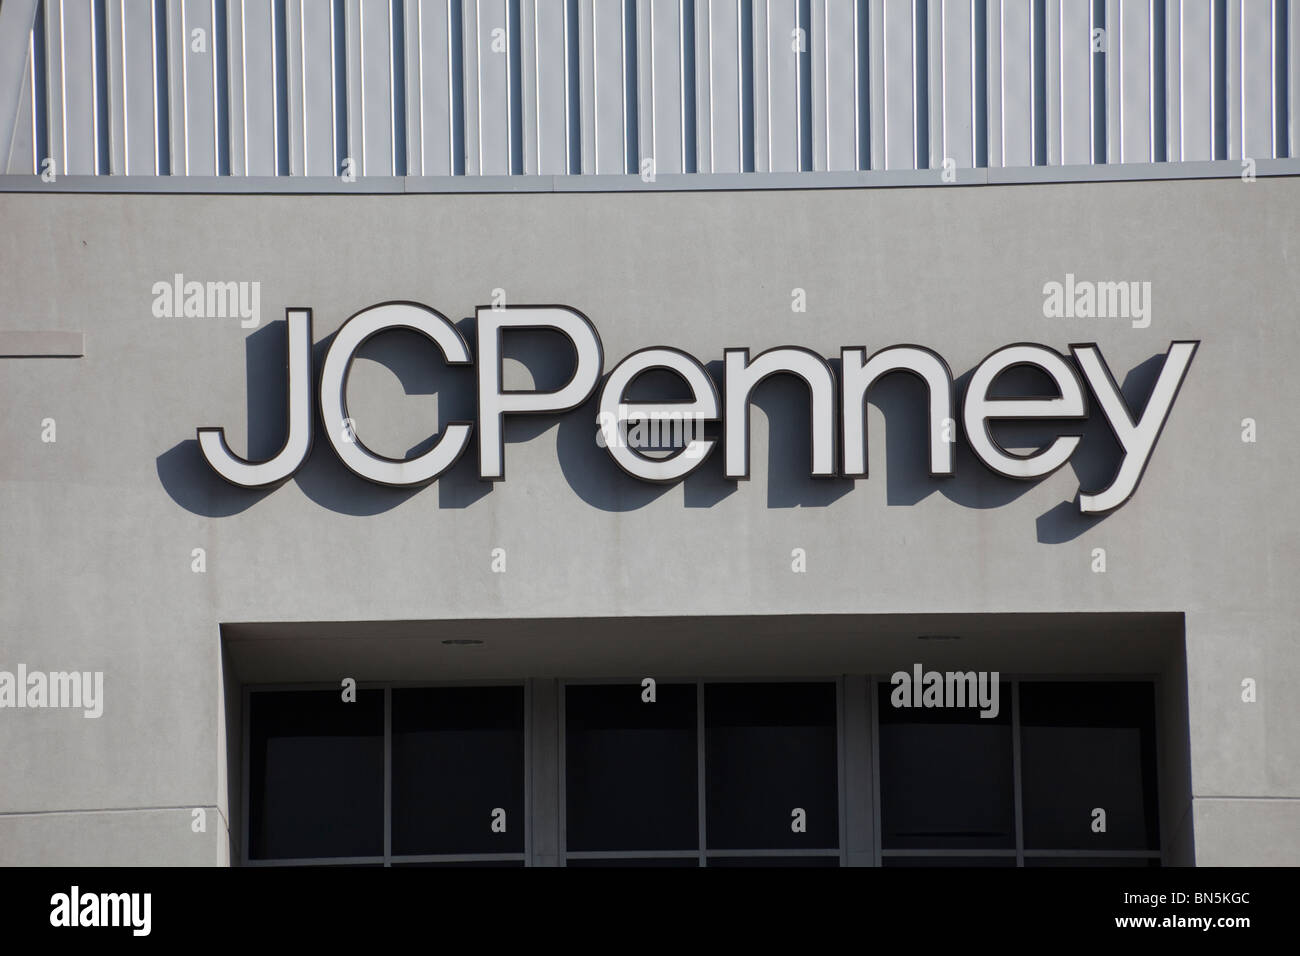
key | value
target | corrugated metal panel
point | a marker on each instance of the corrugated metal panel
(1134, 118)
(254, 123)
(73, 61)
(780, 42)
(312, 48)
(132, 88)
(491, 103)
(1069, 83)
(497, 87)
(1291, 76)
(607, 39)
(375, 104)
(548, 34)
(958, 91)
(1191, 80)
(666, 83)
(899, 83)
(838, 93)
(1251, 103)
(435, 117)
(22, 153)
(1013, 97)
(196, 99)
(723, 85)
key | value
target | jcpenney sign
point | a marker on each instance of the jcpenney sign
(838, 404)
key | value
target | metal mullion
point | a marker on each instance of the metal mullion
(528, 773)
(1157, 726)
(699, 772)
(245, 732)
(1015, 763)
(563, 848)
(842, 786)
(877, 838)
(388, 776)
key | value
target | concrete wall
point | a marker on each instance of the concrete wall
(99, 526)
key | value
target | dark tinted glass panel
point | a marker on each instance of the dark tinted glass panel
(946, 776)
(458, 757)
(946, 861)
(734, 861)
(1089, 861)
(1088, 746)
(630, 768)
(769, 751)
(316, 774)
(656, 862)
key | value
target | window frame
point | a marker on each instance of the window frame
(858, 789)
(388, 858)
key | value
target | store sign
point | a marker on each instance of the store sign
(838, 404)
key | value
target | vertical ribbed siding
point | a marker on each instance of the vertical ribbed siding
(834, 79)
(718, 81)
(1135, 120)
(554, 87)
(607, 68)
(26, 146)
(1069, 82)
(953, 89)
(545, 37)
(310, 52)
(76, 79)
(1191, 86)
(1013, 91)
(666, 84)
(1253, 98)
(132, 87)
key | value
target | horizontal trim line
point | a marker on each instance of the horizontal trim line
(46, 813)
(665, 182)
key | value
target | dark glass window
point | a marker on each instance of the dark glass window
(947, 780)
(316, 774)
(630, 768)
(770, 750)
(458, 756)
(1087, 746)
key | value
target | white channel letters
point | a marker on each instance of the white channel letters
(837, 426)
